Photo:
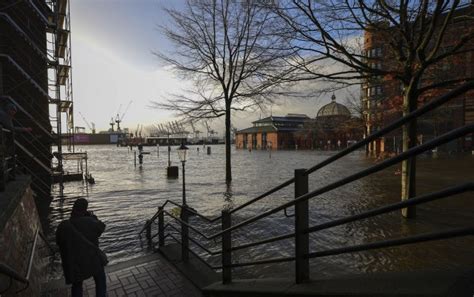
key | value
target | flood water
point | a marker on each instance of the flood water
(125, 196)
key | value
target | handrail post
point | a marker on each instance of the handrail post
(148, 231)
(161, 228)
(301, 227)
(226, 248)
(184, 234)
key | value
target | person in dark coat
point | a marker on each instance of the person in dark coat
(80, 257)
(7, 114)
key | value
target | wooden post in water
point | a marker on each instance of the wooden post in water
(226, 248)
(301, 226)
(135, 158)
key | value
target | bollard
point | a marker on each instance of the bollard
(208, 150)
(184, 235)
(226, 246)
(301, 226)
(161, 226)
(148, 231)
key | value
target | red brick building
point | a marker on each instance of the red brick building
(381, 96)
(333, 128)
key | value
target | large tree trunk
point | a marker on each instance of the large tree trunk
(409, 140)
(228, 146)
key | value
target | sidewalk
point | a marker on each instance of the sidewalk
(146, 276)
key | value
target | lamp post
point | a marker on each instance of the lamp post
(182, 152)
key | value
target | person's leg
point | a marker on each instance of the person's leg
(76, 289)
(100, 284)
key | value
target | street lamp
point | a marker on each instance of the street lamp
(182, 154)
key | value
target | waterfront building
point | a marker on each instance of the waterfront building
(381, 97)
(333, 128)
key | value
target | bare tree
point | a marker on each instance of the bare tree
(416, 37)
(230, 52)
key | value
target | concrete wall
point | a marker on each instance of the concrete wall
(19, 221)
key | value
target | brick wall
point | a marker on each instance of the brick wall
(19, 221)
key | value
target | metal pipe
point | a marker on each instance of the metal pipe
(268, 240)
(395, 242)
(7, 270)
(32, 255)
(270, 261)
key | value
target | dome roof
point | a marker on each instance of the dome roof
(333, 109)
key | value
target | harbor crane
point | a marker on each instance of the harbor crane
(91, 125)
(112, 124)
(195, 131)
(210, 132)
(119, 118)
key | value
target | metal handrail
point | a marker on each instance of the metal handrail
(212, 253)
(458, 232)
(7, 157)
(7, 270)
(433, 104)
(413, 152)
(196, 255)
(378, 167)
(445, 193)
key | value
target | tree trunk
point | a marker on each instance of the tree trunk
(228, 146)
(409, 140)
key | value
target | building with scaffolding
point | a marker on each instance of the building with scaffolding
(35, 76)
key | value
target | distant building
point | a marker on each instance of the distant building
(276, 132)
(333, 128)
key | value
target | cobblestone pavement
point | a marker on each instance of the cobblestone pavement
(152, 278)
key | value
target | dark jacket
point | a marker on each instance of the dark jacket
(80, 260)
(6, 121)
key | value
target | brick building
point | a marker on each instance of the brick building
(381, 97)
(277, 132)
(333, 128)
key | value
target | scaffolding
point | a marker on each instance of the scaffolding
(61, 91)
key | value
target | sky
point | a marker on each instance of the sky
(113, 63)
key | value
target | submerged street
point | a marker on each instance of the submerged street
(124, 197)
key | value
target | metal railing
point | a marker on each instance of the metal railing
(302, 253)
(7, 157)
(17, 276)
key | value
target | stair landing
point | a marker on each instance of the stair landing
(145, 276)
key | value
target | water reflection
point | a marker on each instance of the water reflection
(124, 196)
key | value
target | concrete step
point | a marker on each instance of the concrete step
(411, 284)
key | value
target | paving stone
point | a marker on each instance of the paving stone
(154, 278)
